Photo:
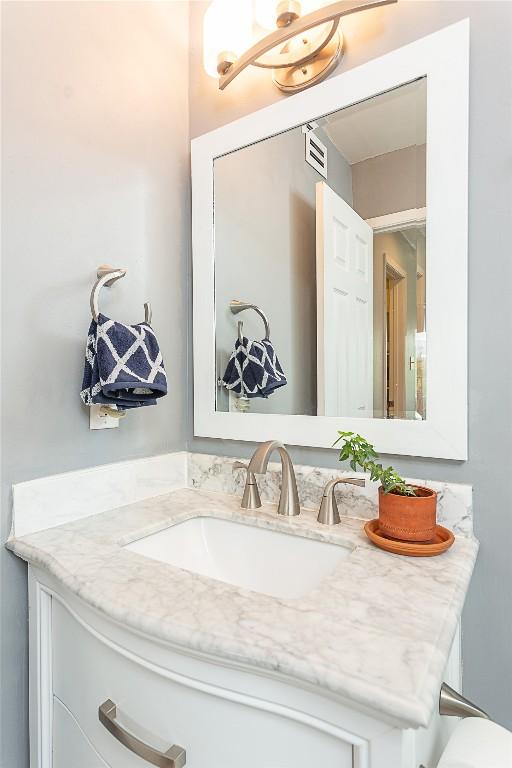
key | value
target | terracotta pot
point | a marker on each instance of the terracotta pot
(408, 518)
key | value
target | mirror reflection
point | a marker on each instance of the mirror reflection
(320, 268)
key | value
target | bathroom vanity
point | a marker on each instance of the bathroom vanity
(182, 628)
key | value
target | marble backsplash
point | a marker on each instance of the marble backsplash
(46, 502)
(215, 473)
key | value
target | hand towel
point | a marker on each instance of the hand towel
(123, 365)
(253, 369)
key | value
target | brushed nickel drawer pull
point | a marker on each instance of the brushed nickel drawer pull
(175, 757)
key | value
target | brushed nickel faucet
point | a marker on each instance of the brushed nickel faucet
(251, 498)
(328, 513)
(289, 498)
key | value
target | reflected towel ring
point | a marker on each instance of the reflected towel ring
(237, 306)
(106, 277)
(240, 331)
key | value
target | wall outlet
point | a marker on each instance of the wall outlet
(100, 420)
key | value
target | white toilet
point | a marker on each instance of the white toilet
(476, 742)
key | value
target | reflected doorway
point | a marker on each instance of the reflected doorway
(399, 315)
(396, 331)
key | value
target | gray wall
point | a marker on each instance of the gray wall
(487, 621)
(266, 254)
(394, 181)
(95, 169)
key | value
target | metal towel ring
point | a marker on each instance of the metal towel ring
(237, 306)
(106, 277)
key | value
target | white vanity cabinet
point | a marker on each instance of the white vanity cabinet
(221, 714)
(69, 747)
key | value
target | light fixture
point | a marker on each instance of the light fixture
(304, 47)
(227, 31)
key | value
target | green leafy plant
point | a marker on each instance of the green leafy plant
(361, 454)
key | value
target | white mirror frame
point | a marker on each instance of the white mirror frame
(444, 58)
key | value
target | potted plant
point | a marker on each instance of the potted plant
(406, 512)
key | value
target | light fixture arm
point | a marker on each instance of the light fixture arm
(330, 13)
(271, 61)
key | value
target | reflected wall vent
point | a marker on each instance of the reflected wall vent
(309, 126)
(316, 152)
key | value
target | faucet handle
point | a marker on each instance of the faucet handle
(328, 513)
(251, 498)
(250, 475)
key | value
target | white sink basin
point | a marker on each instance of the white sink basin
(263, 560)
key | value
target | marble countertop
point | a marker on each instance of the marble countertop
(377, 631)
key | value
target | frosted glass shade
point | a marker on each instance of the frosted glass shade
(265, 11)
(227, 26)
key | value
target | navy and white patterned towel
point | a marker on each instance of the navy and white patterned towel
(123, 365)
(253, 369)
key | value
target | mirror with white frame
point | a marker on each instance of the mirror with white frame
(323, 228)
(330, 260)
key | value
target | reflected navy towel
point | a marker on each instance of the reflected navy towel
(253, 369)
(123, 365)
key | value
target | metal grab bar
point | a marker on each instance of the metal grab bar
(175, 757)
(237, 306)
(106, 277)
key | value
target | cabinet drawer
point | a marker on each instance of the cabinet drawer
(70, 747)
(214, 731)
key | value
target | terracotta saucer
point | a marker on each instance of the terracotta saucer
(442, 541)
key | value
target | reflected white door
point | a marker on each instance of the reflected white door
(344, 275)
